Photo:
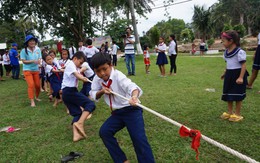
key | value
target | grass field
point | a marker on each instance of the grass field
(46, 134)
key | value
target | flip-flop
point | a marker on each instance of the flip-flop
(71, 157)
(9, 129)
(4, 129)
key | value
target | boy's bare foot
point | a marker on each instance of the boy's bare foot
(127, 161)
(76, 135)
(89, 116)
(80, 128)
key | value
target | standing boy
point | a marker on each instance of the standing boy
(123, 113)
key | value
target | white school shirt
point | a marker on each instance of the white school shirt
(162, 47)
(258, 37)
(48, 69)
(69, 79)
(120, 84)
(64, 63)
(56, 62)
(83, 49)
(234, 61)
(172, 48)
(129, 48)
(89, 72)
(90, 51)
(71, 52)
(6, 59)
(114, 49)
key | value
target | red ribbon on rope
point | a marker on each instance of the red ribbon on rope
(195, 135)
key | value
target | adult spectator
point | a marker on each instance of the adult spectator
(72, 50)
(256, 65)
(129, 41)
(14, 58)
(31, 58)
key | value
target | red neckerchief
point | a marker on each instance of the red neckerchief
(90, 46)
(54, 67)
(195, 135)
(108, 86)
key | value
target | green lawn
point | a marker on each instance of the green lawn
(46, 134)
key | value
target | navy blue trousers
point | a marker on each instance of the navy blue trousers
(15, 71)
(55, 85)
(131, 118)
(74, 100)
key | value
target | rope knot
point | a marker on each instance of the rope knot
(195, 135)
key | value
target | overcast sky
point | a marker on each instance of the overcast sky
(179, 11)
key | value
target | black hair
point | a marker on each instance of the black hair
(128, 28)
(173, 38)
(114, 42)
(44, 56)
(79, 55)
(100, 59)
(67, 52)
(145, 47)
(234, 35)
(89, 41)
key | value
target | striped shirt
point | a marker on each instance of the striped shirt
(129, 48)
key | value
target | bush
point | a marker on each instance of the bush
(210, 41)
(241, 30)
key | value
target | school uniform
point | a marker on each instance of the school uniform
(256, 64)
(231, 90)
(161, 58)
(114, 54)
(122, 115)
(55, 79)
(72, 51)
(7, 62)
(89, 73)
(172, 56)
(70, 95)
(89, 52)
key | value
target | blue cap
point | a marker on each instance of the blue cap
(15, 44)
(30, 37)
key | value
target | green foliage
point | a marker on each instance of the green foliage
(186, 35)
(227, 26)
(154, 35)
(210, 41)
(202, 21)
(115, 29)
(241, 30)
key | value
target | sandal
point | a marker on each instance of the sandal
(235, 118)
(225, 115)
(71, 157)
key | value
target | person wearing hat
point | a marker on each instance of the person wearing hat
(14, 58)
(31, 57)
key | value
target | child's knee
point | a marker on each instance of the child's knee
(104, 132)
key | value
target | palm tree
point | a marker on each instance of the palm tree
(201, 20)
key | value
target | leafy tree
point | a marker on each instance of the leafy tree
(186, 35)
(154, 35)
(202, 21)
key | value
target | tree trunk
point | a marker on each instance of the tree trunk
(241, 19)
(137, 41)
